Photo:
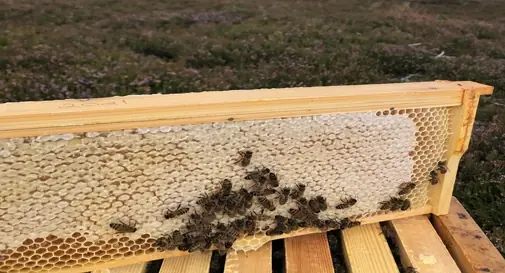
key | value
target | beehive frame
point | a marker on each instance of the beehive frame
(30, 119)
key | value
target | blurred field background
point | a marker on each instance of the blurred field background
(95, 48)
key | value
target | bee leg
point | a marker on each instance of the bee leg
(241, 156)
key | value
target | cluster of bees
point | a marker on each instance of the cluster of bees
(201, 232)
(400, 203)
(440, 169)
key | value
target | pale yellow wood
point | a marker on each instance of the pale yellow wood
(421, 247)
(366, 250)
(103, 114)
(162, 255)
(259, 261)
(461, 128)
(308, 254)
(134, 268)
(469, 246)
(194, 263)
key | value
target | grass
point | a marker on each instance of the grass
(55, 49)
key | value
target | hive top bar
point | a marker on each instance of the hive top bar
(74, 116)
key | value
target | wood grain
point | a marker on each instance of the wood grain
(421, 247)
(469, 246)
(462, 120)
(103, 114)
(308, 254)
(366, 250)
(134, 268)
(194, 263)
(259, 261)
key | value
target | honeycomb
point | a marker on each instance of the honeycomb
(59, 193)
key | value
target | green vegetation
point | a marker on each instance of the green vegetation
(95, 48)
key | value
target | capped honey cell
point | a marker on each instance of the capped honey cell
(138, 176)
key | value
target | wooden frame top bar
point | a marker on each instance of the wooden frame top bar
(23, 119)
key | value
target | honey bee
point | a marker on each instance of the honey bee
(202, 218)
(245, 158)
(292, 224)
(203, 200)
(232, 232)
(177, 212)
(272, 179)
(266, 203)
(298, 214)
(302, 202)
(283, 199)
(183, 247)
(405, 205)
(250, 227)
(177, 237)
(411, 269)
(198, 245)
(223, 247)
(239, 224)
(253, 216)
(298, 191)
(220, 226)
(226, 187)
(406, 188)
(348, 223)
(442, 167)
(303, 224)
(278, 230)
(231, 207)
(346, 203)
(268, 191)
(397, 204)
(320, 224)
(245, 194)
(433, 178)
(164, 243)
(258, 175)
(314, 206)
(333, 224)
(321, 201)
(121, 227)
(386, 205)
(280, 219)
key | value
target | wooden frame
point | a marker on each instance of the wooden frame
(449, 243)
(116, 113)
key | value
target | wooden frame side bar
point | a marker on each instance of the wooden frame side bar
(462, 119)
(116, 113)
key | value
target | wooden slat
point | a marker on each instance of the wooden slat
(462, 120)
(366, 250)
(134, 268)
(308, 254)
(116, 113)
(469, 246)
(421, 247)
(193, 263)
(259, 261)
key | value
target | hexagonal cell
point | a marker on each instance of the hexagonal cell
(48, 266)
(150, 148)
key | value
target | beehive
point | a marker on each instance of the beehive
(70, 168)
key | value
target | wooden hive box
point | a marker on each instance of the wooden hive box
(73, 167)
